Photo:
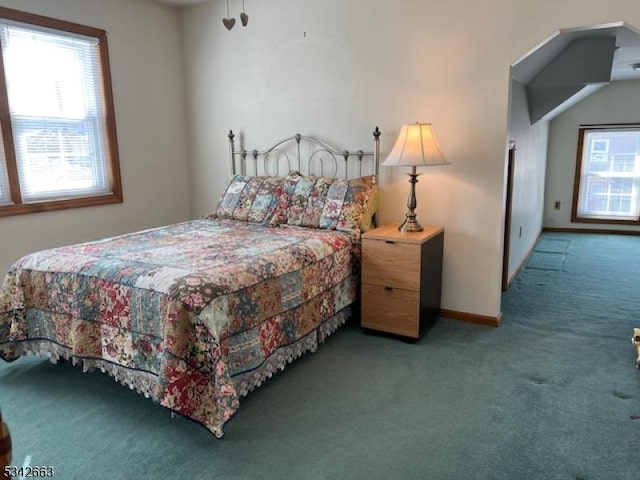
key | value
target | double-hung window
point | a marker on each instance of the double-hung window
(58, 146)
(607, 185)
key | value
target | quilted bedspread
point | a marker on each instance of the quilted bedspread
(194, 315)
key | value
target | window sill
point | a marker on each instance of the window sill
(25, 208)
(604, 221)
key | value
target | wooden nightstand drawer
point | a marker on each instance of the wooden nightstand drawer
(391, 264)
(391, 310)
(401, 279)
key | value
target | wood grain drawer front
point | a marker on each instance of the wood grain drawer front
(390, 310)
(391, 264)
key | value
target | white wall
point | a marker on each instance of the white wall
(148, 86)
(619, 102)
(530, 160)
(364, 63)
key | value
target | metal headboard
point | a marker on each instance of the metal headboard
(287, 155)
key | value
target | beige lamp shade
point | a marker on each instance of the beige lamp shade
(416, 146)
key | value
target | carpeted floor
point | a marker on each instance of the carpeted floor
(551, 394)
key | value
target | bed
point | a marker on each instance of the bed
(197, 314)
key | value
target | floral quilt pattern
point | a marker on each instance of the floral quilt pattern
(200, 312)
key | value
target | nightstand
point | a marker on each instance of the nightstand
(401, 279)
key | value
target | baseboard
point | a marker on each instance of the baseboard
(522, 262)
(472, 317)
(605, 231)
(521, 266)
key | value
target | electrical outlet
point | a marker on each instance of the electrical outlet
(556, 205)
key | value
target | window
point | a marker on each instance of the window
(607, 186)
(58, 147)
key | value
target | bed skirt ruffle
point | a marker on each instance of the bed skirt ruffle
(146, 383)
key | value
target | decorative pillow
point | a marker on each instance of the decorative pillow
(283, 194)
(322, 202)
(370, 209)
(356, 200)
(309, 200)
(250, 199)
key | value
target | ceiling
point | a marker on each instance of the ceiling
(626, 54)
(574, 63)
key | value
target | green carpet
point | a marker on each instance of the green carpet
(551, 394)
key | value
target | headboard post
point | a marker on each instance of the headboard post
(360, 155)
(376, 150)
(298, 137)
(232, 150)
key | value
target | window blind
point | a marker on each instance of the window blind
(58, 120)
(5, 194)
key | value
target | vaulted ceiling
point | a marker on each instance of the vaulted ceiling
(573, 63)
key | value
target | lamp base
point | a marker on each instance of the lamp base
(410, 225)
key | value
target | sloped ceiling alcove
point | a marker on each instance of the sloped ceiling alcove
(573, 63)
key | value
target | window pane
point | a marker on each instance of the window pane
(48, 74)
(610, 174)
(57, 159)
(57, 114)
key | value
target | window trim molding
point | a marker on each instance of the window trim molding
(575, 218)
(113, 164)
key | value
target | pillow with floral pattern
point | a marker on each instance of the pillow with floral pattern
(283, 194)
(327, 203)
(370, 210)
(360, 198)
(248, 198)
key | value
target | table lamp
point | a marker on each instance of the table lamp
(416, 147)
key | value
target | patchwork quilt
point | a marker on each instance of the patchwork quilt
(194, 315)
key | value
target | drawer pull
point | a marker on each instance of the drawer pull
(389, 241)
(388, 289)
